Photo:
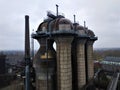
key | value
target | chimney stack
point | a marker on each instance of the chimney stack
(27, 54)
(27, 41)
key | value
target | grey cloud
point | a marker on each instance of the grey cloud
(102, 16)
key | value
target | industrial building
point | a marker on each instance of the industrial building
(2, 63)
(70, 66)
(111, 64)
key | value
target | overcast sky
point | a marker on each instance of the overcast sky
(101, 16)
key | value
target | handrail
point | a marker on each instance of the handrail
(113, 84)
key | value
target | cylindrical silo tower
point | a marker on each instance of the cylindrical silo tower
(45, 60)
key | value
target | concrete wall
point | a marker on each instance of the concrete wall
(81, 63)
(64, 69)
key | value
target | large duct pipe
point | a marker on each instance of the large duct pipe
(49, 14)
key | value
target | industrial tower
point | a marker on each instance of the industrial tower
(70, 66)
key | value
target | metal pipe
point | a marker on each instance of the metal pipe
(32, 42)
(84, 24)
(56, 9)
(49, 14)
(47, 64)
(27, 78)
(74, 19)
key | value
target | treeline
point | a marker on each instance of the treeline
(99, 54)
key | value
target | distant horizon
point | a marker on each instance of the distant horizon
(37, 49)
